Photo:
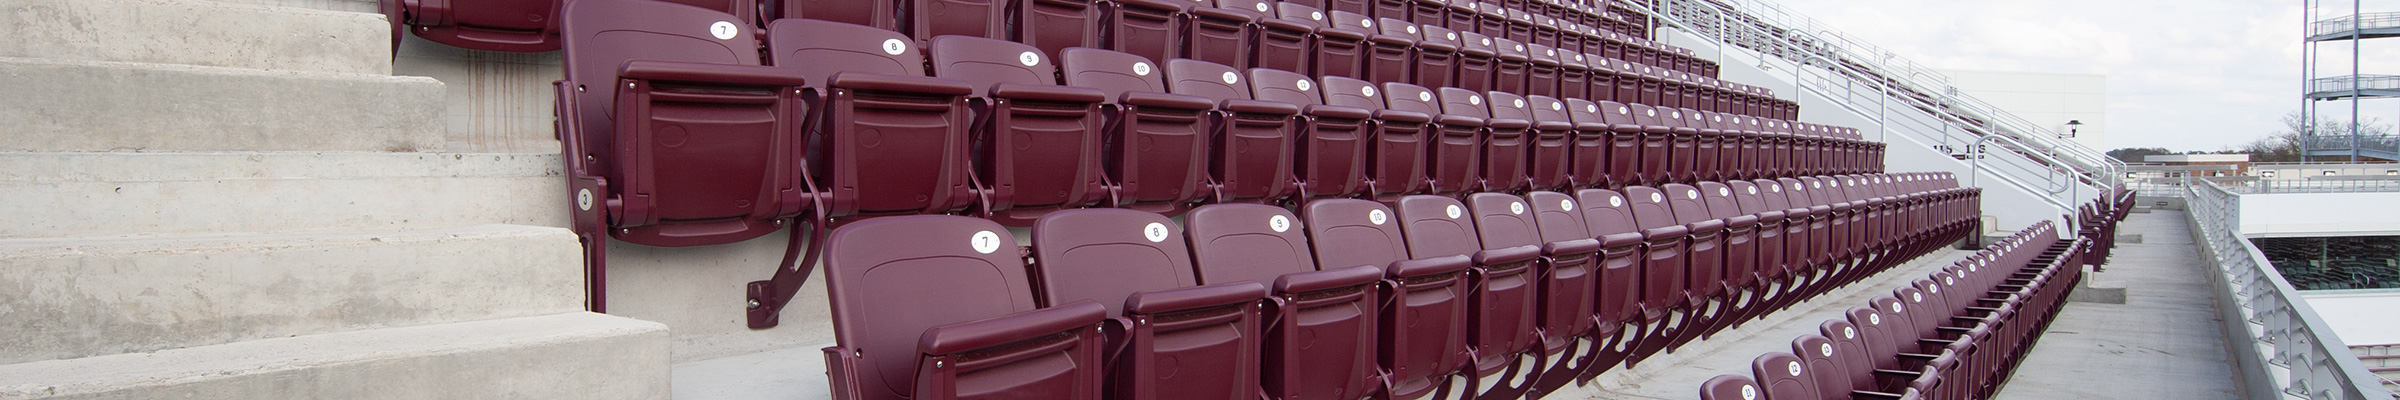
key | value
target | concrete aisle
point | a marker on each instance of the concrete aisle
(2163, 343)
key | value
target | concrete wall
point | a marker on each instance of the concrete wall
(2320, 214)
(2048, 100)
(2005, 207)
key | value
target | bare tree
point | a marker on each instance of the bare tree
(2284, 145)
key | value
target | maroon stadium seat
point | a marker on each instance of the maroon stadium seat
(935, 18)
(1589, 156)
(1514, 65)
(1501, 307)
(1507, 136)
(1423, 331)
(1321, 338)
(882, 14)
(1478, 61)
(1151, 29)
(1341, 38)
(1157, 153)
(1391, 55)
(1037, 144)
(1332, 140)
(1224, 31)
(1055, 25)
(1453, 152)
(1437, 57)
(1251, 148)
(1610, 217)
(873, 150)
(498, 25)
(933, 306)
(1177, 338)
(1552, 142)
(1395, 155)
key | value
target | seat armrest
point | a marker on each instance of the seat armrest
(1302, 282)
(1048, 93)
(1741, 222)
(1507, 123)
(1665, 232)
(1507, 255)
(1429, 266)
(1590, 126)
(1683, 131)
(1406, 117)
(1459, 120)
(1708, 227)
(1657, 129)
(1165, 100)
(899, 83)
(1170, 300)
(1258, 107)
(1620, 240)
(1553, 126)
(1001, 330)
(1325, 111)
(1576, 246)
(710, 73)
(1770, 216)
(841, 369)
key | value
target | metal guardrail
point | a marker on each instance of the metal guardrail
(2342, 142)
(2023, 154)
(2295, 354)
(2343, 24)
(2344, 84)
(2313, 185)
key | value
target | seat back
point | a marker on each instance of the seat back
(1424, 330)
(1606, 213)
(1151, 29)
(1588, 156)
(1454, 159)
(1478, 61)
(1541, 73)
(1549, 145)
(1223, 31)
(1251, 150)
(1157, 149)
(890, 140)
(883, 14)
(1197, 341)
(1392, 52)
(1706, 251)
(500, 25)
(1568, 292)
(1829, 375)
(1849, 353)
(1437, 55)
(1247, 242)
(1342, 40)
(1037, 152)
(1514, 65)
(631, 131)
(981, 18)
(1730, 387)
(1507, 137)
(1331, 157)
(1784, 376)
(1741, 238)
(892, 278)
(1395, 153)
(1665, 264)
(1287, 37)
(1055, 25)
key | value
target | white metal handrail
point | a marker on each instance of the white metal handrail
(2298, 356)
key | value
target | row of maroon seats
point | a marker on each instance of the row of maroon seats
(841, 122)
(1346, 298)
(1954, 335)
(2099, 220)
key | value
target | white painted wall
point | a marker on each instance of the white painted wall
(2362, 317)
(2320, 214)
(2048, 100)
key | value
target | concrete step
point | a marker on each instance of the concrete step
(58, 106)
(116, 194)
(64, 298)
(559, 356)
(206, 33)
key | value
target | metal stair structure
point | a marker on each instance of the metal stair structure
(1910, 102)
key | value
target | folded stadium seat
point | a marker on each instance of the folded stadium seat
(1859, 374)
(1601, 82)
(1680, 150)
(1455, 150)
(1151, 29)
(1223, 31)
(629, 174)
(1574, 76)
(1570, 35)
(1550, 160)
(1728, 94)
(1624, 152)
(1501, 306)
(1676, 89)
(1461, 16)
(1513, 68)
(1545, 30)
(1341, 50)
(1740, 280)
(1703, 89)
(1423, 12)
(1360, 7)
(1392, 47)
(1555, 289)
(1038, 145)
(1653, 84)
(1284, 42)
(1599, 43)
(1503, 140)
(1721, 152)
(1707, 146)
(1437, 57)
(1055, 25)
(1705, 253)
(1320, 334)
(1542, 75)
(1618, 297)
(1731, 387)
(1250, 152)
(1423, 330)
(1331, 157)
(1816, 256)
(1589, 157)
(1892, 347)
(1168, 335)
(937, 306)
(1478, 62)
(1752, 156)
(1664, 306)
(983, 18)
(1834, 375)
(504, 25)
(1157, 153)
(871, 146)
(881, 14)
(1569, 311)
(1767, 264)
(1491, 19)
(1790, 148)
(1520, 25)
(1796, 260)
(1395, 150)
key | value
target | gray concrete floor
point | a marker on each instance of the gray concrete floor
(2165, 342)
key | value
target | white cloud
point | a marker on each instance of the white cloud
(2185, 75)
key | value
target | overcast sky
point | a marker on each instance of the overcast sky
(2183, 75)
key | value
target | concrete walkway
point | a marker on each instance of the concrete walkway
(2165, 342)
